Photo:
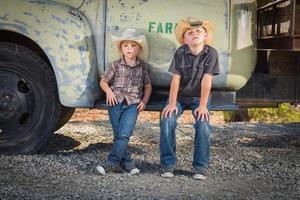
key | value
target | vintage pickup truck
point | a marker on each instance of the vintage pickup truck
(53, 52)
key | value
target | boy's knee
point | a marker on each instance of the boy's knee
(166, 121)
(123, 136)
(203, 125)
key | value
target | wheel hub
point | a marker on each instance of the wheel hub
(9, 102)
(16, 104)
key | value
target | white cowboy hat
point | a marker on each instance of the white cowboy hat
(190, 23)
(132, 34)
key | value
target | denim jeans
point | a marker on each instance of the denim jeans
(123, 119)
(202, 139)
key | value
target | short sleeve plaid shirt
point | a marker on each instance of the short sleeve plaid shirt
(127, 82)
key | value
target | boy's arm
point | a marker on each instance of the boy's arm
(206, 84)
(110, 96)
(147, 94)
(202, 111)
(171, 107)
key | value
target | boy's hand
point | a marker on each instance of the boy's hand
(202, 113)
(141, 107)
(111, 98)
(169, 109)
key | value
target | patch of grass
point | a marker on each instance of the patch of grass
(285, 113)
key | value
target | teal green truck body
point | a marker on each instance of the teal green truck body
(77, 41)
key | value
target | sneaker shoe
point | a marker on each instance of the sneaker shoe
(105, 168)
(167, 173)
(131, 169)
(199, 176)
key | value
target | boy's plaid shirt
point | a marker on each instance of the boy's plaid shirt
(127, 82)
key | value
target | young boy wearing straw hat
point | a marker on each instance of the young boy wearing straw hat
(193, 67)
(128, 87)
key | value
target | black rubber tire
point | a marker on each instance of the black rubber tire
(32, 110)
(65, 114)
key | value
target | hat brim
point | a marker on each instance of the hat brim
(183, 26)
(141, 40)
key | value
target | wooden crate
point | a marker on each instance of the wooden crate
(279, 25)
(283, 18)
(282, 63)
(297, 18)
(261, 3)
(275, 20)
(266, 21)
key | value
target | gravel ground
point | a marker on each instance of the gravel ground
(249, 161)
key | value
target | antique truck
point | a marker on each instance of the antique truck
(53, 52)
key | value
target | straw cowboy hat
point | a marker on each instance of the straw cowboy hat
(192, 22)
(132, 34)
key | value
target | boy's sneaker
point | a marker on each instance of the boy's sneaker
(167, 173)
(199, 176)
(105, 168)
(131, 169)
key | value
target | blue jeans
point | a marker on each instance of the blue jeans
(202, 139)
(123, 118)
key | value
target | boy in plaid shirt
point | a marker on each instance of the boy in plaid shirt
(128, 88)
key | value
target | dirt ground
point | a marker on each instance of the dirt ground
(248, 161)
(94, 115)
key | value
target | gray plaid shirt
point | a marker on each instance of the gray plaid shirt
(127, 82)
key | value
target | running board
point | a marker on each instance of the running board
(220, 100)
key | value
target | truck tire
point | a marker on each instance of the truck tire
(29, 105)
(65, 114)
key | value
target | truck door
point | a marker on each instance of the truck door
(157, 20)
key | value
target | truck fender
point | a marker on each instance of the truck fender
(64, 34)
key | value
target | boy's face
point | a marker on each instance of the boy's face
(130, 49)
(195, 36)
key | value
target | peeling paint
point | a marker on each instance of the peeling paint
(63, 37)
(60, 20)
(28, 13)
(38, 33)
(64, 31)
(76, 23)
(21, 22)
(15, 27)
(4, 17)
(77, 37)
